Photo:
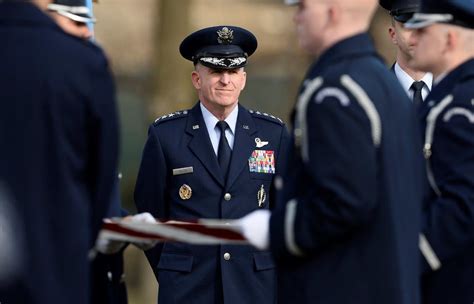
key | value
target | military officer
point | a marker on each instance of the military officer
(59, 139)
(107, 272)
(216, 160)
(444, 45)
(345, 229)
(417, 84)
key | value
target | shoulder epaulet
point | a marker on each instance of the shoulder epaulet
(266, 116)
(171, 116)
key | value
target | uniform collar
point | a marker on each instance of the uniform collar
(24, 12)
(447, 83)
(406, 80)
(210, 120)
(354, 46)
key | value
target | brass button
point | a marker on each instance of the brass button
(226, 256)
(227, 196)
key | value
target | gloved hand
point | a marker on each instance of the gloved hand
(144, 217)
(255, 226)
(107, 246)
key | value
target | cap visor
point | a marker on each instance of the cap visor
(420, 20)
(77, 18)
(403, 17)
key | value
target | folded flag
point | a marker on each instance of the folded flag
(200, 232)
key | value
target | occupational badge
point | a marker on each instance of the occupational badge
(262, 161)
(261, 197)
(185, 192)
(259, 143)
(225, 35)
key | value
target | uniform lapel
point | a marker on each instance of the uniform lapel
(244, 144)
(200, 144)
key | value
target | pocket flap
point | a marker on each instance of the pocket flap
(175, 262)
(263, 260)
(261, 175)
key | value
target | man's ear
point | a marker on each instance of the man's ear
(244, 75)
(452, 39)
(196, 79)
(334, 13)
(393, 35)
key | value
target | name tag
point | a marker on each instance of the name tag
(180, 171)
(262, 161)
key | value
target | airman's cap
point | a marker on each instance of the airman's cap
(76, 10)
(219, 47)
(457, 12)
(401, 10)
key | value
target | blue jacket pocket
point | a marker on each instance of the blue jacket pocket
(175, 262)
(263, 261)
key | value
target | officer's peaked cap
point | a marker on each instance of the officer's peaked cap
(220, 47)
(76, 10)
(457, 12)
(401, 10)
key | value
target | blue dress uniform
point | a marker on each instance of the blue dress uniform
(447, 120)
(177, 143)
(107, 270)
(181, 178)
(58, 133)
(346, 225)
(448, 124)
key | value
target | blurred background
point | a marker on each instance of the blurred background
(141, 39)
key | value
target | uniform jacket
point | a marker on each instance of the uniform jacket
(447, 120)
(107, 270)
(59, 143)
(201, 274)
(346, 226)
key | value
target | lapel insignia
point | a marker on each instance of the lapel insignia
(261, 197)
(245, 127)
(262, 161)
(195, 127)
(185, 192)
(260, 143)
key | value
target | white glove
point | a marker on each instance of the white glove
(144, 217)
(255, 228)
(107, 246)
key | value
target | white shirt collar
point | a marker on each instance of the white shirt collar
(406, 81)
(214, 133)
(211, 120)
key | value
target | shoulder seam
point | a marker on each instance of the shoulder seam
(266, 116)
(170, 116)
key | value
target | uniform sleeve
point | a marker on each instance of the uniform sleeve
(282, 164)
(448, 220)
(104, 146)
(337, 195)
(150, 188)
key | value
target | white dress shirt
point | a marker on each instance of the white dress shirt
(214, 132)
(406, 81)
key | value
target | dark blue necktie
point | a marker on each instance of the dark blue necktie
(223, 151)
(417, 87)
